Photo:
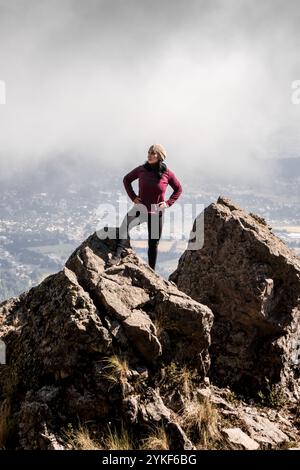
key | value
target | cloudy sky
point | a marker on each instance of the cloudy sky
(104, 79)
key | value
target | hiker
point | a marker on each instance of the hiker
(154, 177)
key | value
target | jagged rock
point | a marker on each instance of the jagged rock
(175, 400)
(33, 429)
(262, 430)
(206, 394)
(130, 407)
(150, 409)
(239, 439)
(268, 427)
(88, 339)
(153, 409)
(177, 437)
(251, 281)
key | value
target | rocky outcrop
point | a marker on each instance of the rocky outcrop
(123, 352)
(239, 439)
(247, 426)
(91, 342)
(251, 281)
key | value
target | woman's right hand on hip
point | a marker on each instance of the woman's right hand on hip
(137, 200)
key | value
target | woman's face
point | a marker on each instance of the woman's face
(152, 156)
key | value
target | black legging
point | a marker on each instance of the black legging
(155, 224)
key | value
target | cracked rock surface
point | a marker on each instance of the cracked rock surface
(251, 281)
(67, 338)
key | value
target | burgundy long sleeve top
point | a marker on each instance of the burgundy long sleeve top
(151, 188)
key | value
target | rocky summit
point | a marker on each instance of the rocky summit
(95, 343)
(116, 357)
(251, 281)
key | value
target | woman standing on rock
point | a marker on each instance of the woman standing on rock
(154, 176)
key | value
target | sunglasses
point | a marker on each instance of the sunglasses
(151, 152)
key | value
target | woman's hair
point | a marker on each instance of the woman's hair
(159, 168)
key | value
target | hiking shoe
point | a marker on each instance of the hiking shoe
(114, 260)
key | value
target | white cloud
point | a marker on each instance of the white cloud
(211, 80)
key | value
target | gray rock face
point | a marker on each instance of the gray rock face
(239, 439)
(252, 427)
(263, 430)
(89, 341)
(251, 281)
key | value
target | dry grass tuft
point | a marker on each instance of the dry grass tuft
(118, 440)
(157, 440)
(200, 420)
(80, 439)
(117, 369)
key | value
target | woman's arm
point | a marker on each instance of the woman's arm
(127, 180)
(175, 184)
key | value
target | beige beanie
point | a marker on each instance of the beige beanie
(161, 151)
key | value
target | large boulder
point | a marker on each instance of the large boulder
(89, 344)
(251, 281)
